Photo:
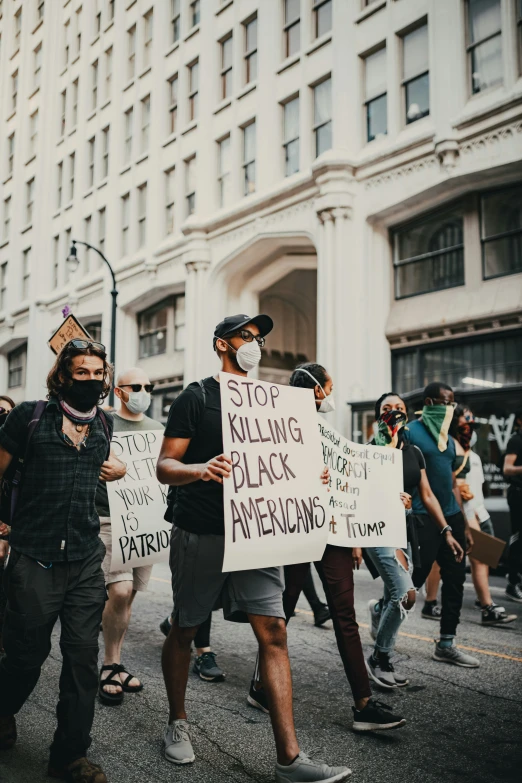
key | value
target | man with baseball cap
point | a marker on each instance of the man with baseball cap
(192, 460)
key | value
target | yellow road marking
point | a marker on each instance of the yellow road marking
(157, 579)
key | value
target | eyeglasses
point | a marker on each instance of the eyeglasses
(83, 344)
(136, 387)
(248, 337)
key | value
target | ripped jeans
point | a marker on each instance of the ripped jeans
(397, 583)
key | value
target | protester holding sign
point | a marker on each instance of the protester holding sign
(395, 565)
(336, 572)
(513, 473)
(192, 459)
(133, 389)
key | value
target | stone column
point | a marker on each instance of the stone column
(198, 332)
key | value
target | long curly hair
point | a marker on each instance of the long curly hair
(60, 375)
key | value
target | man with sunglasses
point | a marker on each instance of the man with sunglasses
(133, 389)
(431, 435)
(192, 459)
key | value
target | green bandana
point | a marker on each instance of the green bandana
(437, 420)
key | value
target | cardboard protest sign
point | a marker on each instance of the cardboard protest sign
(140, 535)
(274, 501)
(364, 506)
(69, 329)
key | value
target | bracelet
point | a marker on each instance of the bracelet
(445, 529)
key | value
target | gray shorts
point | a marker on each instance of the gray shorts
(487, 527)
(199, 586)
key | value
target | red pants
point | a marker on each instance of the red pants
(336, 573)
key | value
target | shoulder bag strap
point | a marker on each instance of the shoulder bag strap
(38, 412)
(103, 419)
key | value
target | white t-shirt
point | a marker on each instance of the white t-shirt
(475, 479)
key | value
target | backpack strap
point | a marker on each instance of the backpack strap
(38, 412)
(103, 419)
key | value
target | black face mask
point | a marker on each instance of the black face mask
(83, 395)
(3, 417)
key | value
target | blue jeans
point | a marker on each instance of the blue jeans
(397, 582)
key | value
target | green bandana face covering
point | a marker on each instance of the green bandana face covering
(437, 420)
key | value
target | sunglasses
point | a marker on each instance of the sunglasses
(83, 344)
(136, 387)
(248, 337)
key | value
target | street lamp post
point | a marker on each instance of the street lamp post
(73, 262)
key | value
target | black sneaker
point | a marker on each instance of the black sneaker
(206, 666)
(257, 698)
(321, 615)
(431, 611)
(496, 615)
(514, 592)
(165, 626)
(376, 716)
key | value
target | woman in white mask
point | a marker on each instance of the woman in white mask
(336, 572)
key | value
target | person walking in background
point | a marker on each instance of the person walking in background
(431, 434)
(133, 389)
(54, 566)
(513, 474)
(205, 664)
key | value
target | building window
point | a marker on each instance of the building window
(37, 66)
(33, 134)
(249, 158)
(10, 153)
(484, 44)
(40, 9)
(14, 89)
(29, 201)
(94, 72)
(147, 38)
(193, 74)
(101, 230)
(322, 10)
(174, 21)
(66, 45)
(131, 52)
(92, 157)
(63, 112)
(59, 184)
(125, 219)
(74, 110)
(376, 98)
(475, 363)
(224, 171)
(67, 245)
(429, 255)
(87, 225)
(72, 165)
(291, 136)
(292, 27)
(173, 103)
(97, 17)
(145, 122)
(250, 50)
(7, 217)
(169, 201)
(95, 330)
(195, 12)
(152, 327)
(323, 116)
(415, 74)
(108, 72)
(142, 214)
(501, 232)
(3, 286)
(179, 323)
(56, 260)
(18, 28)
(16, 362)
(78, 26)
(111, 10)
(190, 185)
(226, 67)
(105, 151)
(129, 119)
(26, 272)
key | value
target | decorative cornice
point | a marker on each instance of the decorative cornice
(392, 175)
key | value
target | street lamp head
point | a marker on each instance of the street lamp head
(73, 261)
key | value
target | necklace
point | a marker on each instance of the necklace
(79, 427)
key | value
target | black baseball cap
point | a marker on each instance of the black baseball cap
(233, 323)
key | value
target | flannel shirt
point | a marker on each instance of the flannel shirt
(55, 519)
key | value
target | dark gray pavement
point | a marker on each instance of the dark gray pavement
(463, 725)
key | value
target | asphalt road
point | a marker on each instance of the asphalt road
(463, 725)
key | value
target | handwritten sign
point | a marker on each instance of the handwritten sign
(274, 501)
(140, 535)
(364, 506)
(69, 329)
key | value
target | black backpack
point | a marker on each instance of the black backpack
(173, 491)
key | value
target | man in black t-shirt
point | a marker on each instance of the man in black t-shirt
(513, 473)
(192, 460)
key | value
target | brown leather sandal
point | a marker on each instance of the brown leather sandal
(79, 771)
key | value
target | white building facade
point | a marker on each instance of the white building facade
(351, 167)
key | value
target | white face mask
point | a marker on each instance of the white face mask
(138, 402)
(248, 355)
(328, 402)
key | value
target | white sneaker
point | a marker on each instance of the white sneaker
(305, 770)
(455, 656)
(177, 745)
